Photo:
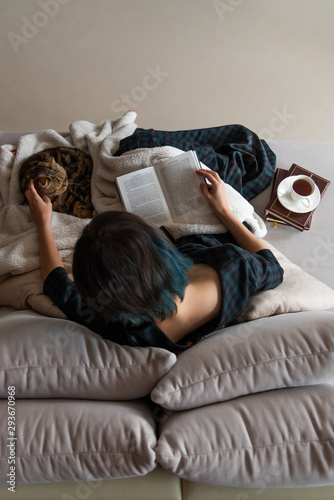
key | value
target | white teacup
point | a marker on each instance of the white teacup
(302, 188)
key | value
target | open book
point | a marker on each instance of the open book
(167, 193)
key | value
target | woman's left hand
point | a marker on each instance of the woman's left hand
(216, 194)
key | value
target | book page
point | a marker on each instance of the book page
(142, 195)
(181, 187)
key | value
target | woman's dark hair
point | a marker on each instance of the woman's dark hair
(128, 269)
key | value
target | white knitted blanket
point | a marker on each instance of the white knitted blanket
(19, 251)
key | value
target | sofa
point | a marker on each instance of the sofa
(247, 413)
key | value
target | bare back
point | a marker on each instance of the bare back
(201, 303)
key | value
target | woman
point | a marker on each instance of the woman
(134, 287)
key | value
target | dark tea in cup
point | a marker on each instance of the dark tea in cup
(302, 187)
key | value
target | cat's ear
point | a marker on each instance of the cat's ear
(42, 183)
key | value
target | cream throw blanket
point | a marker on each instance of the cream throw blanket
(20, 281)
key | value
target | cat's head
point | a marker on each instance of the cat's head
(50, 179)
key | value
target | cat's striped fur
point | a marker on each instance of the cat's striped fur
(64, 175)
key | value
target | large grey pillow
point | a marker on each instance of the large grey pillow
(299, 291)
(67, 440)
(274, 439)
(56, 358)
(269, 353)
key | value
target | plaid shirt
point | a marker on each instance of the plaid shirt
(242, 159)
(241, 274)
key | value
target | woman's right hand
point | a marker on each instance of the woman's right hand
(40, 207)
(215, 194)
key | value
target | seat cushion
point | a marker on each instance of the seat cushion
(64, 440)
(273, 439)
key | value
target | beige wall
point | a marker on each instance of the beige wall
(267, 64)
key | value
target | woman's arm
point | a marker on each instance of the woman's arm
(216, 198)
(41, 211)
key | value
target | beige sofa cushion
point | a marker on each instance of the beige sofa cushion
(299, 291)
(64, 440)
(55, 358)
(269, 353)
(275, 439)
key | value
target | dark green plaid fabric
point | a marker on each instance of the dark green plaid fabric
(242, 159)
(241, 274)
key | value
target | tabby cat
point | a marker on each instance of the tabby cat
(64, 175)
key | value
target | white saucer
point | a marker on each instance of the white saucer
(296, 206)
